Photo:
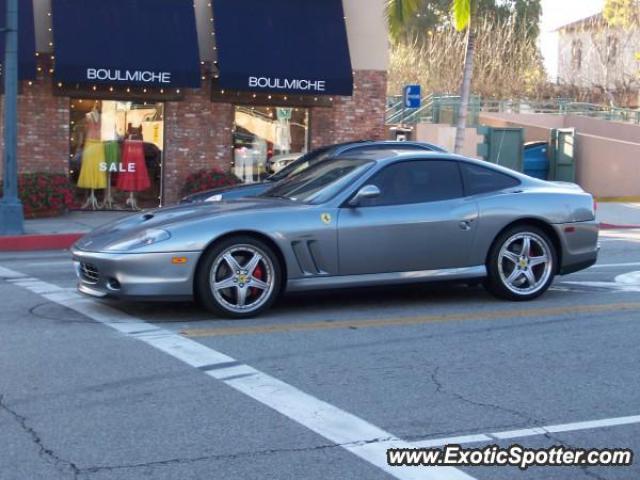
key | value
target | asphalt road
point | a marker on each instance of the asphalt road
(319, 387)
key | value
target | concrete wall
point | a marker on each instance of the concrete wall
(445, 135)
(533, 132)
(366, 31)
(607, 154)
(628, 132)
(606, 167)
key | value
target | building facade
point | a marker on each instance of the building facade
(593, 54)
(128, 97)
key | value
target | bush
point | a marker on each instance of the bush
(208, 179)
(44, 194)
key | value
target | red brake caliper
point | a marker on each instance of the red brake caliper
(258, 274)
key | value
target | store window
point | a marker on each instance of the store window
(267, 139)
(116, 151)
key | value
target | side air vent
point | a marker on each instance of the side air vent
(309, 258)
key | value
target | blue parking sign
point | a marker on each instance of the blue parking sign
(412, 96)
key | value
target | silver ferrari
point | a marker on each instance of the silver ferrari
(377, 218)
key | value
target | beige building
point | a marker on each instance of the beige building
(593, 54)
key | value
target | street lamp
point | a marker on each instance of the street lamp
(11, 214)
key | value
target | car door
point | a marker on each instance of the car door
(420, 221)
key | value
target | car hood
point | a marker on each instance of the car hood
(171, 217)
(229, 192)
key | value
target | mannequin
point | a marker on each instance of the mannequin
(135, 177)
(112, 158)
(91, 176)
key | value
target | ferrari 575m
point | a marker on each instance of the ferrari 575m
(376, 218)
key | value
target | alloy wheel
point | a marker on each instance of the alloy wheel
(525, 263)
(242, 278)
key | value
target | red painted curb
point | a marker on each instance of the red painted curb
(609, 226)
(23, 243)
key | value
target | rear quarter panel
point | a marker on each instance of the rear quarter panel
(498, 211)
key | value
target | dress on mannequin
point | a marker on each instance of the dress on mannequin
(91, 175)
(283, 136)
(112, 161)
(243, 164)
(111, 154)
(135, 178)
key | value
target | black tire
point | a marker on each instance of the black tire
(222, 303)
(499, 286)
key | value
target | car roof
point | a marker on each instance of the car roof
(384, 145)
(391, 156)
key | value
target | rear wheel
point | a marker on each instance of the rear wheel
(239, 278)
(521, 264)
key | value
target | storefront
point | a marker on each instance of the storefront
(128, 97)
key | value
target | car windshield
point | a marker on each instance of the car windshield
(320, 182)
(301, 164)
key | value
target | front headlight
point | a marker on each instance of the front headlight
(140, 239)
(214, 198)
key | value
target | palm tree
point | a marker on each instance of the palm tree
(399, 11)
(463, 13)
(398, 14)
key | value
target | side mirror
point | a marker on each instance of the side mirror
(368, 191)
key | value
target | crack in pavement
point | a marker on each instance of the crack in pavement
(47, 453)
(440, 388)
(530, 421)
(232, 456)
(67, 466)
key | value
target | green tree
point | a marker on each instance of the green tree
(413, 21)
(622, 13)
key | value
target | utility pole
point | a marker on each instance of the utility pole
(11, 214)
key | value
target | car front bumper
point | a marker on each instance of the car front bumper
(136, 276)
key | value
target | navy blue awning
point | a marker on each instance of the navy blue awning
(288, 46)
(131, 42)
(26, 39)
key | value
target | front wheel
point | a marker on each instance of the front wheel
(521, 264)
(238, 278)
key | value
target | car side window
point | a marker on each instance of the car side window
(416, 181)
(478, 179)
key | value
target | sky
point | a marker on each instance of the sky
(556, 13)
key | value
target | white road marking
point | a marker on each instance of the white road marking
(568, 427)
(50, 263)
(630, 278)
(6, 273)
(528, 432)
(614, 265)
(617, 287)
(627, 282)
(352, 433)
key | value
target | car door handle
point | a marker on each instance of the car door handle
(465, 224)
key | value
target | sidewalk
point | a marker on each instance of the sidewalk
(618, 215)
(59, 232)
(62, 232)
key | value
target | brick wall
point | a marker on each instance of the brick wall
(43, 128)
(353, 118)
(197, 136)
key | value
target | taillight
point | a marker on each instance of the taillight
(595, 205)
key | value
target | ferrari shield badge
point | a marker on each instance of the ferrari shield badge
(326, 218)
